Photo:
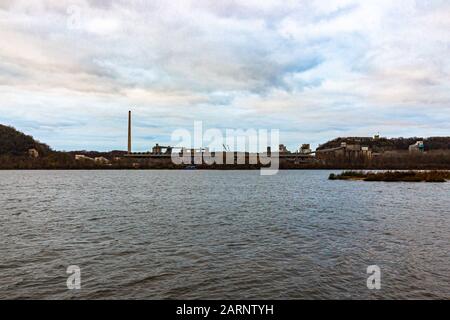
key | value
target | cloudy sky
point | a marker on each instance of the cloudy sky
(70, 71)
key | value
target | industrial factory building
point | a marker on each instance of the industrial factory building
(163, 154)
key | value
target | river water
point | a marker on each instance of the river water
(220, 235)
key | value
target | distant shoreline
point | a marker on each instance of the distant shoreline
(19, 151)
(222, 169)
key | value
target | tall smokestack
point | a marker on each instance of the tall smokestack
(129, 131)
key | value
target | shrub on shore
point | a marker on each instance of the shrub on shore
(394, 176)
(347, 175)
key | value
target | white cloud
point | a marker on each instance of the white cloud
(306, 67)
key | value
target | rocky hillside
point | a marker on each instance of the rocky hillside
(16, 143)
(385, 144)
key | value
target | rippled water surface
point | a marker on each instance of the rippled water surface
(220, 234)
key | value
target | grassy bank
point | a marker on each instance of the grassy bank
(394, 176)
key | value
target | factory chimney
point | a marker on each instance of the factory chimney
(129, 132)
